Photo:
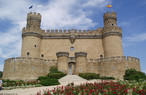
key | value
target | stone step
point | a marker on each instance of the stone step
(71, 78)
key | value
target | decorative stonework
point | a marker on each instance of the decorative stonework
(77, 54)
(72, 38)
(32, 34)
(111, 34)
(59, 54)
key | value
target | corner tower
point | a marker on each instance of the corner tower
(112, 36)
(31, 36)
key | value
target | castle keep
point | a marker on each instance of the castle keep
(72, 51)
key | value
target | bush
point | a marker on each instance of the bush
(56, 75)
(49, 81)
(89, 75)
(132, 74)
(42, 78)
(105, 77)
(53, 69)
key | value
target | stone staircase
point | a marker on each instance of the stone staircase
(72, 78)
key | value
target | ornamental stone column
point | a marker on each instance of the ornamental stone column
(62, 63)
(80, 59)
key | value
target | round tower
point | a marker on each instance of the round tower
(81, 61)
(31, 36)
(112, 36)
(62, 63)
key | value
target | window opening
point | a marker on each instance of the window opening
(72, 48)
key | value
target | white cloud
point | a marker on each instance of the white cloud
(95, 3)
(136, 37)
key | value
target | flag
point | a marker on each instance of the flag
(30, 6)
(109, 6)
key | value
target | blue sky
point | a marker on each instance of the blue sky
(73, 14)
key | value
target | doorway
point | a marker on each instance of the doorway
(71, 68)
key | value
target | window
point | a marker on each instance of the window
(27, 53)
(72, 48)
(35, 46)
(112, 24)
(42, 55)
(101, 56)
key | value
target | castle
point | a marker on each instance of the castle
(72, 51)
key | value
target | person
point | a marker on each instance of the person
(1, 83)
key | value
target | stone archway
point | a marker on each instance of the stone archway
(71, 68)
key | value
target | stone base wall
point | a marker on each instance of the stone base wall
(113, 66)
(26, 68)
(31, 68)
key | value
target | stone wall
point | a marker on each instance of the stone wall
(31, 68)
(49, 47)
(26, 68)
(113, 66)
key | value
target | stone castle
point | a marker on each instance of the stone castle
(72, 51)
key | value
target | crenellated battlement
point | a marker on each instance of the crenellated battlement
(33, 16)
(114, 58)
(15, 59)
(31, 29)
(109, 15)
(72, 31)
(55, 33)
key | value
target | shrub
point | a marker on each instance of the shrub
(42, 78)
(53, 69)
(105, 77)
(132, 74)
(49, 81)
(89, 75)
(56, 75)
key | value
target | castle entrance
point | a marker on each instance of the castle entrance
(71, 68)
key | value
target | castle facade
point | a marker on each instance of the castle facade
(72, 51)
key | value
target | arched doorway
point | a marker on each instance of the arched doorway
(71, 68)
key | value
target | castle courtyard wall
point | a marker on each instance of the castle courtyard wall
(26, 68)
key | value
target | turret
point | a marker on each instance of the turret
(31, 36)
(81, 62)
(112, 36)
(62, 63)
(110, 19)
(33, 20)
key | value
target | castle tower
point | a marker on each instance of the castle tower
(31, 36)
(62, 63)
(81, 61)
(112, 36)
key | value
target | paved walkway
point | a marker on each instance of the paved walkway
(33, 91)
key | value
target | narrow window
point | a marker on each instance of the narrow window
(27, 53)
(101, 56)
(112, 24)
(72, 48)
(42, 55)
(35, 46)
